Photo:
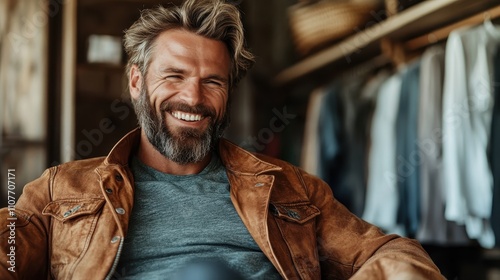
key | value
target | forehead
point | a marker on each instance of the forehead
(179, 46)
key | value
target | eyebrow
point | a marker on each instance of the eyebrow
(217, 77)
(173, 70)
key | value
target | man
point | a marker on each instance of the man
(174, 195)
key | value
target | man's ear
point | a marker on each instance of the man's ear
(135, 82)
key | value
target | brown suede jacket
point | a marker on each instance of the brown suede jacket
(71, 222)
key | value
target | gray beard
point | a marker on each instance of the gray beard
(184, 146)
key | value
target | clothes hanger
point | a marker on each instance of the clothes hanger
(443, 33)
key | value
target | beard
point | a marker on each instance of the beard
(183, 145)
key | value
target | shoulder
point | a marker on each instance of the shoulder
(288, 167)
(78, 168)
(75, 178)
(73, 170)
(287, 177)
(242, 161)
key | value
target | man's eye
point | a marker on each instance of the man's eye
(174, 77)
(213, 82)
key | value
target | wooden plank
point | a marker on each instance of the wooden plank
(100, 3)
(417, 19)
(443, 33)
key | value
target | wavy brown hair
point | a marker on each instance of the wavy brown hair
(214, 19)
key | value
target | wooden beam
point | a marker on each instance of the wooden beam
(68, 80)
(414, 21)
(441, 34)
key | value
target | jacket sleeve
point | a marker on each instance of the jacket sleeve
(350, 247)
(24, 233)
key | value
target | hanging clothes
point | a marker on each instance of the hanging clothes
(331, 165)
(495, 151)
(352, 179)
(433, 228)
(408, 158)
(343, 128)
(381, 195)
(310, 150)
(358, 139)
(467, 112)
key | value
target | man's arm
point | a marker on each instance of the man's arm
(24, 233)
(350, 247)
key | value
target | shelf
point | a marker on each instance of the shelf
(106, 67)
(99, 3)
(413, 22)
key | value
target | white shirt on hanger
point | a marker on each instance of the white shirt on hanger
(467, 108)
(381, 203)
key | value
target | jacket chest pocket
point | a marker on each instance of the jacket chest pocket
(296, 223)
(73, 224)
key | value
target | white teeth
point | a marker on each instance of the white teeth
(186, 117)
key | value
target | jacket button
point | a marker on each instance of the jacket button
(71, 211)
(118, 177)
(108, 190)
(120, 211)
(115, 239)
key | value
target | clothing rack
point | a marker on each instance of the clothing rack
(411, 23)
(442, 33)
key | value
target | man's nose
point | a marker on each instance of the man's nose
(192, 93)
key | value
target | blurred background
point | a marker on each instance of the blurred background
(390, 102)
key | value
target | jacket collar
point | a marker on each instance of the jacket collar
(121, 152)
(250, 186)
(234, 158)
(238, 160)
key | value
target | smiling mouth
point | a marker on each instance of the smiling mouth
(186, 116)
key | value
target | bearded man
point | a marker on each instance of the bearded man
(173, 197)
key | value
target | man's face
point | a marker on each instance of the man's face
(182, 105)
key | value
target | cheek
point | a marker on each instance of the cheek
(220, 105)
(159, 93)
(155, 105)
(159, 99)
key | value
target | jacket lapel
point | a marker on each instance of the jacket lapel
(251, 187)
(249, 178)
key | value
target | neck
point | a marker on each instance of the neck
(151, 157)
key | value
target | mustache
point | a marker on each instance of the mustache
(199, 109)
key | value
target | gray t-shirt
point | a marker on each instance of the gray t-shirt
(182, 221)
